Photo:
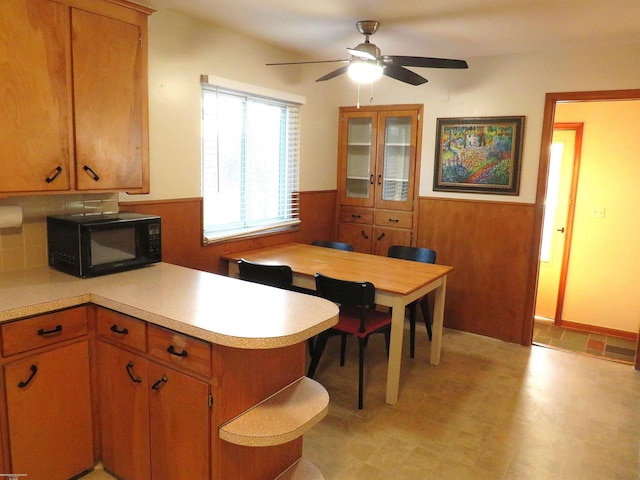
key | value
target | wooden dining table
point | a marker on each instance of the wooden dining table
(397, 283)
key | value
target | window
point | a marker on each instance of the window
(250, 158)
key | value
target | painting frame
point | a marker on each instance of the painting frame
(479, 154)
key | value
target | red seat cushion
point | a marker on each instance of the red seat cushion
(349, 321)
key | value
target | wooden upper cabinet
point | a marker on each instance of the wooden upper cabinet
(108, 91)
(357, 158)
(73, 96)
(35, 140)
(377, 156)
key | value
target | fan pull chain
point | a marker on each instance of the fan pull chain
(371, 95)
(358, 100)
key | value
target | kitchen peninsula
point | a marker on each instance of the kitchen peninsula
(175, 372)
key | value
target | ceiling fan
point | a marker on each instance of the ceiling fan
(367, 64)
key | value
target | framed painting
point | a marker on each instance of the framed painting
(478, 155)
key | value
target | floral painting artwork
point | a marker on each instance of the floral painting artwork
(478, 155)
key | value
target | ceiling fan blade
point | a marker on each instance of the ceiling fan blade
(333, 74)
(361, 54)
(402, 74)
(304, 63)
(428, 62)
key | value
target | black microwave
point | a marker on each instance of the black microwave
(87, 245)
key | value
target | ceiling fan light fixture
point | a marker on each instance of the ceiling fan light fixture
(364, 71)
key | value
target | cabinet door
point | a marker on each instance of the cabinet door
(357, 152)
(108, 83)
(123, 396)
(179, 417)
(396, 159)
(357, 235)
(383, 238)
(34, 97)
(49, 413)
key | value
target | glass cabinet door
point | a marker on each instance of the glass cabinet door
(395, 175)
(359, 158)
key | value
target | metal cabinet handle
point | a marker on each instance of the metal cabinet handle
(158, 384)
(34, 369)
(381, 236)
(353, 215)
(53, 175)
(93, 174)
(362, 232)
(42, 331)
(371, 179)
(561, 230)
(173, 351)
(394, 220)
(379, 179)
(114, 328)
(133, 378)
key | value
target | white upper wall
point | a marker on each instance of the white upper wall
(181, 49)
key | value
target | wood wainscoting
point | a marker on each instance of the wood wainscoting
(489, 244)
(182, 229)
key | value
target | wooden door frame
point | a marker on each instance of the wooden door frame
(578, 128)
(551, 99)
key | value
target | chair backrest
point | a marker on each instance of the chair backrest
(417, 254)
(279, 276)
(336, 245)
(347, 294)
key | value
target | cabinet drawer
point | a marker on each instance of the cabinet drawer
(394, 219)
(180, 350)
(122, 329)
(43, 330)
(354, 215)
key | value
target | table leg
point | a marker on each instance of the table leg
(395, 352)
(438, 319)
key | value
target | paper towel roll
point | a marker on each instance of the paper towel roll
(10, 216)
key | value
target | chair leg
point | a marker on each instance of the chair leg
(412, 330)
(426, 315)
(361, 344)
(321, 343)
(343, 348)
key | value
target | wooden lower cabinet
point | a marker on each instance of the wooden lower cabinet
(372, 239)
(179, 422)
(49, 413)
(155, 420)
(123, 386)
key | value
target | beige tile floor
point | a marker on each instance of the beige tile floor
(490, 410)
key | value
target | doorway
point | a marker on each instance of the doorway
(554, 309)
(557, 225)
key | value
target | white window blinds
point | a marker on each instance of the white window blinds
(250, 162)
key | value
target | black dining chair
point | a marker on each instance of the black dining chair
(337, 245)
(279, 276)
(416, 254)
(357, 317)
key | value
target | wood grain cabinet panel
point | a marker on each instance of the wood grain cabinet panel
(179, 416)
(35, 140)
(123, 386)
(43, 330)
(49, 413)
(122, 329)
(180, 350)
(108, 89)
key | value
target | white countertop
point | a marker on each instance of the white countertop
(211, 307)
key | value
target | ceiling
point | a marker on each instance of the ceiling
(323, 29)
